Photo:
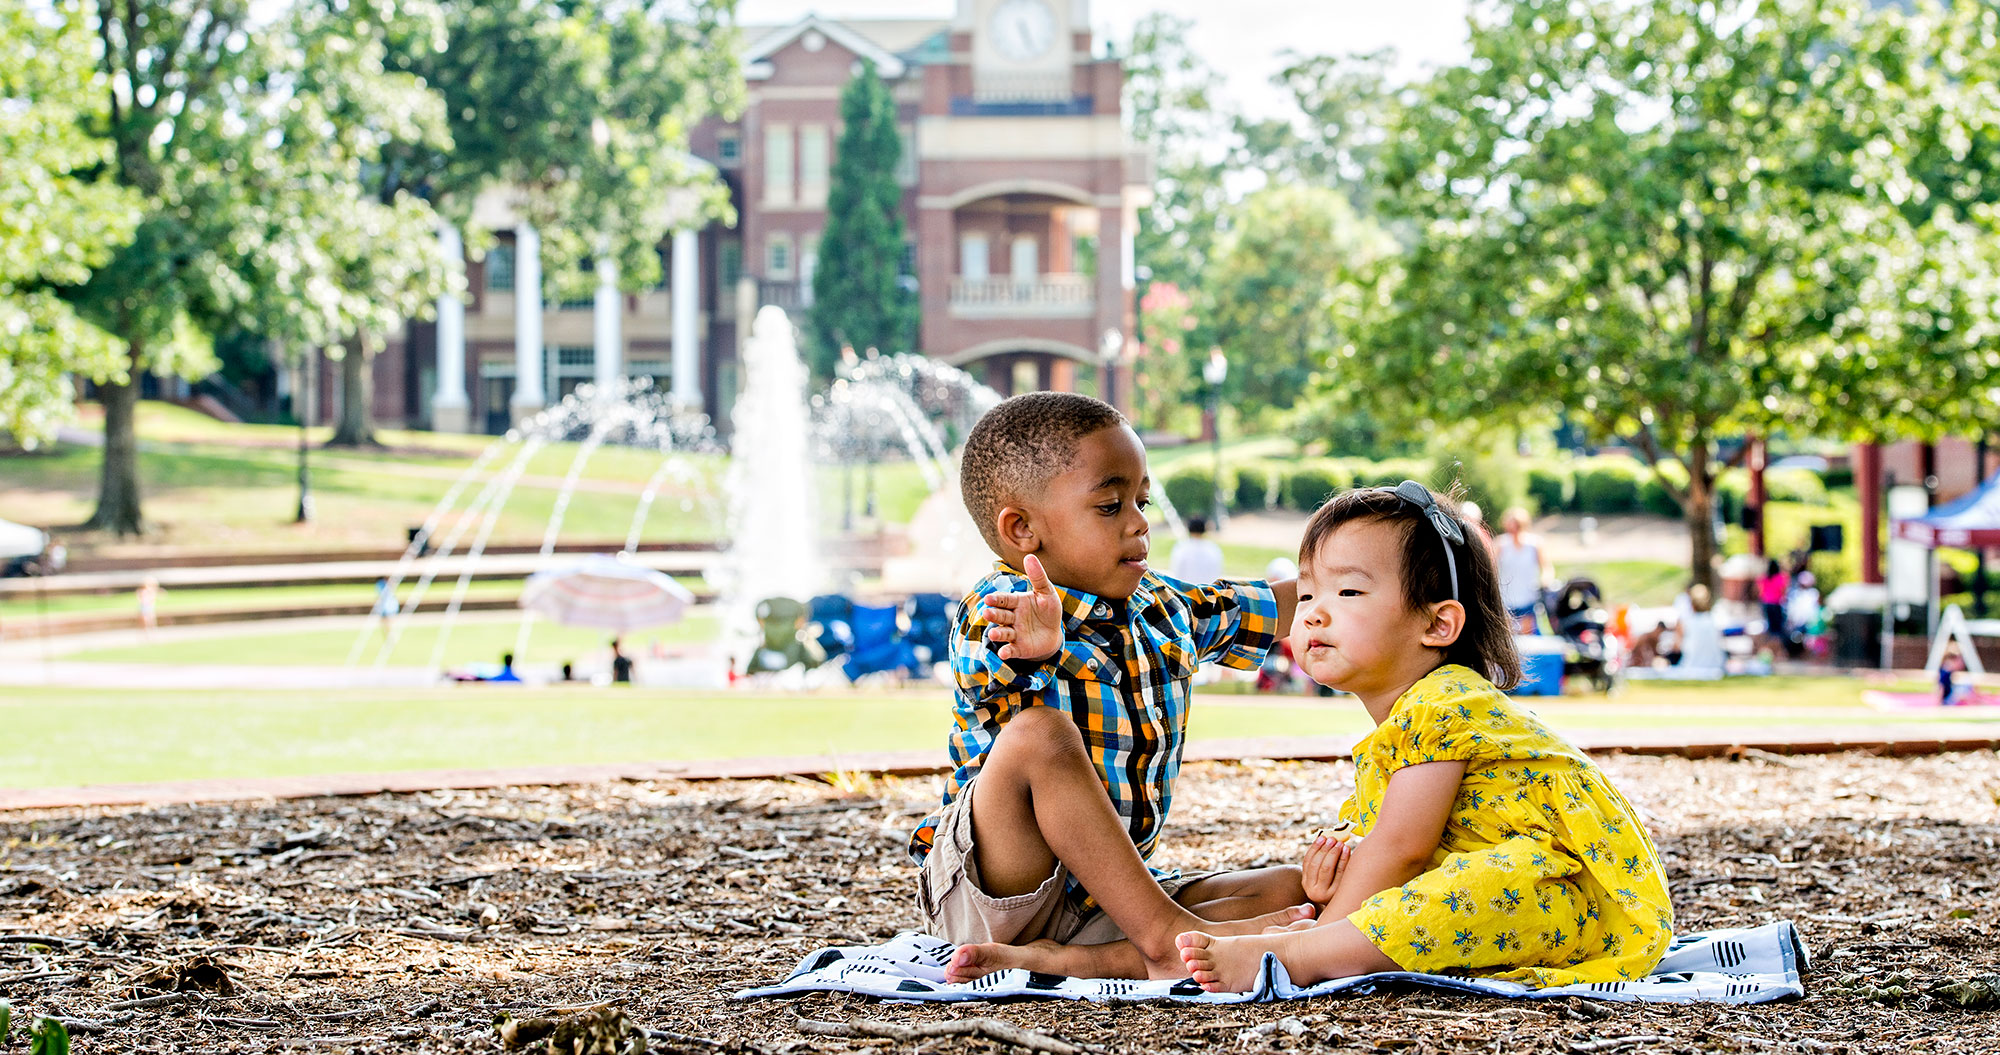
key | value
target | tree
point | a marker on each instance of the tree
(242, 142)
(858, 297)
(1170, 101)
(1281, 287)
(581, 108)
(1655, 219)
(61, 222)
(1345, 104)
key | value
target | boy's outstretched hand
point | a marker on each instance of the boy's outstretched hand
(1028, 625)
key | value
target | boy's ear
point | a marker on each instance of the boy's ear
(1447, 622)
(1016, 531)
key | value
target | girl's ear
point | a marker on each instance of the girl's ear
(1015, 530)
(1447, 622)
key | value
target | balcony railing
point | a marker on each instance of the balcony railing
(788, 294)
(1044, 296)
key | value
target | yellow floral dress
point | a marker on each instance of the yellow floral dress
(1544, 876)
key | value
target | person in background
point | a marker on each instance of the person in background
(621, 665)
(149, 603)
(1196, 559)
(1524, 569)
(1771, 590)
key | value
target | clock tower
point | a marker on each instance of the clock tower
(1023, 50)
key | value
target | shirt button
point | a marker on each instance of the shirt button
(1103, 610)
(1090, 664)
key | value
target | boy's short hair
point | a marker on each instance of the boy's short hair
(1486, 641)
(1022, 444)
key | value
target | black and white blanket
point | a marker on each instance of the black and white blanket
(1747, 966)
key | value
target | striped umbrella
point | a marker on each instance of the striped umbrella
(605, 593)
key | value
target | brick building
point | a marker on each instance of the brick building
(1021, 196)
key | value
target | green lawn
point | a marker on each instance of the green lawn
(472, 640)
(59, 737)
(211, 485)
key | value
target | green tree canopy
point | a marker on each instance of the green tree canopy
(1676, 226)
(858, 297)
(1283, 284)
(580, 107)
(57, 220)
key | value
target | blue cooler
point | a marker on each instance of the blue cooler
(1541, 665)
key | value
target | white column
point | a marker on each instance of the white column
(529, 395)
(686, 353)
(451, 411)
(609, 314)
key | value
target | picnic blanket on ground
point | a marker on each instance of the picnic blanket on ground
(1745, 966)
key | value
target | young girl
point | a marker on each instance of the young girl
(1492, 847)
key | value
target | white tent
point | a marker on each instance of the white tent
(20, 540)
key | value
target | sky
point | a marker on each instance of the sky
(1242, 39)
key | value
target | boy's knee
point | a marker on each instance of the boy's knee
(1037, 736)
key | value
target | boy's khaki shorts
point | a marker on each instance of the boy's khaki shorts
(956, 909)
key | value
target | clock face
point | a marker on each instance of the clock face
(1022, 30)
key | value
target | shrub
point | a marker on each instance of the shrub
(1191, 491)
(1552, 489)
(1493, 478)
(1838, 476)
(1607, 486)
(1795, 485)
(1389, 472)
(1309, 485)
(1654, 497)
(1250, 491)
(1731, 488)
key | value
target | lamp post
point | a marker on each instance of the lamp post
(1108, 349)
(1215, 372)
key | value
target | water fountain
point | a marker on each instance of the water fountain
(883, 408)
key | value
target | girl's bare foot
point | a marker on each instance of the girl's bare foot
(1222, 964)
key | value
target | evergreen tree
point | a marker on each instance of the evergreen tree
(858, 297)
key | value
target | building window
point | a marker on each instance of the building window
(813, 164)
(808, 264)
(1025, 264)
(666, 255)
(728, 266)
(729, 150)
(906, 162)
(972, 257)
(778, 164)
(500, 268)
(906, 265)
(778, 256)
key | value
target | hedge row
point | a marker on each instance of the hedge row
(1599, 486)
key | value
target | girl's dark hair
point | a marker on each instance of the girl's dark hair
(1486, 642)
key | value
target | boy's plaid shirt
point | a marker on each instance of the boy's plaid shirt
(1123, 675)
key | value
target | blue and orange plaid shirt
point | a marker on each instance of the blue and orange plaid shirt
(1123, 675)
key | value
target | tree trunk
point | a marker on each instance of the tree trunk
(118, 481)
(356, 427)
(1701, 516)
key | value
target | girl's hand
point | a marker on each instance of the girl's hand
(1026, 626)
(1323, 865)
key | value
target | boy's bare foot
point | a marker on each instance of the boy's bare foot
(1222, 964)
(1116, 960)
(1119, 959)
(1283, 919)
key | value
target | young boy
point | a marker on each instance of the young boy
(1072, 663)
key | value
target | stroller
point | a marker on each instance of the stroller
(1576, 609)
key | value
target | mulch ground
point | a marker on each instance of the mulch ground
(410, 922)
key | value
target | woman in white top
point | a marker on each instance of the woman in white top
(1523, 568)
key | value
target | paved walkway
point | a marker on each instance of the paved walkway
(1615, 538)
(1927, 738)
(445, 569)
